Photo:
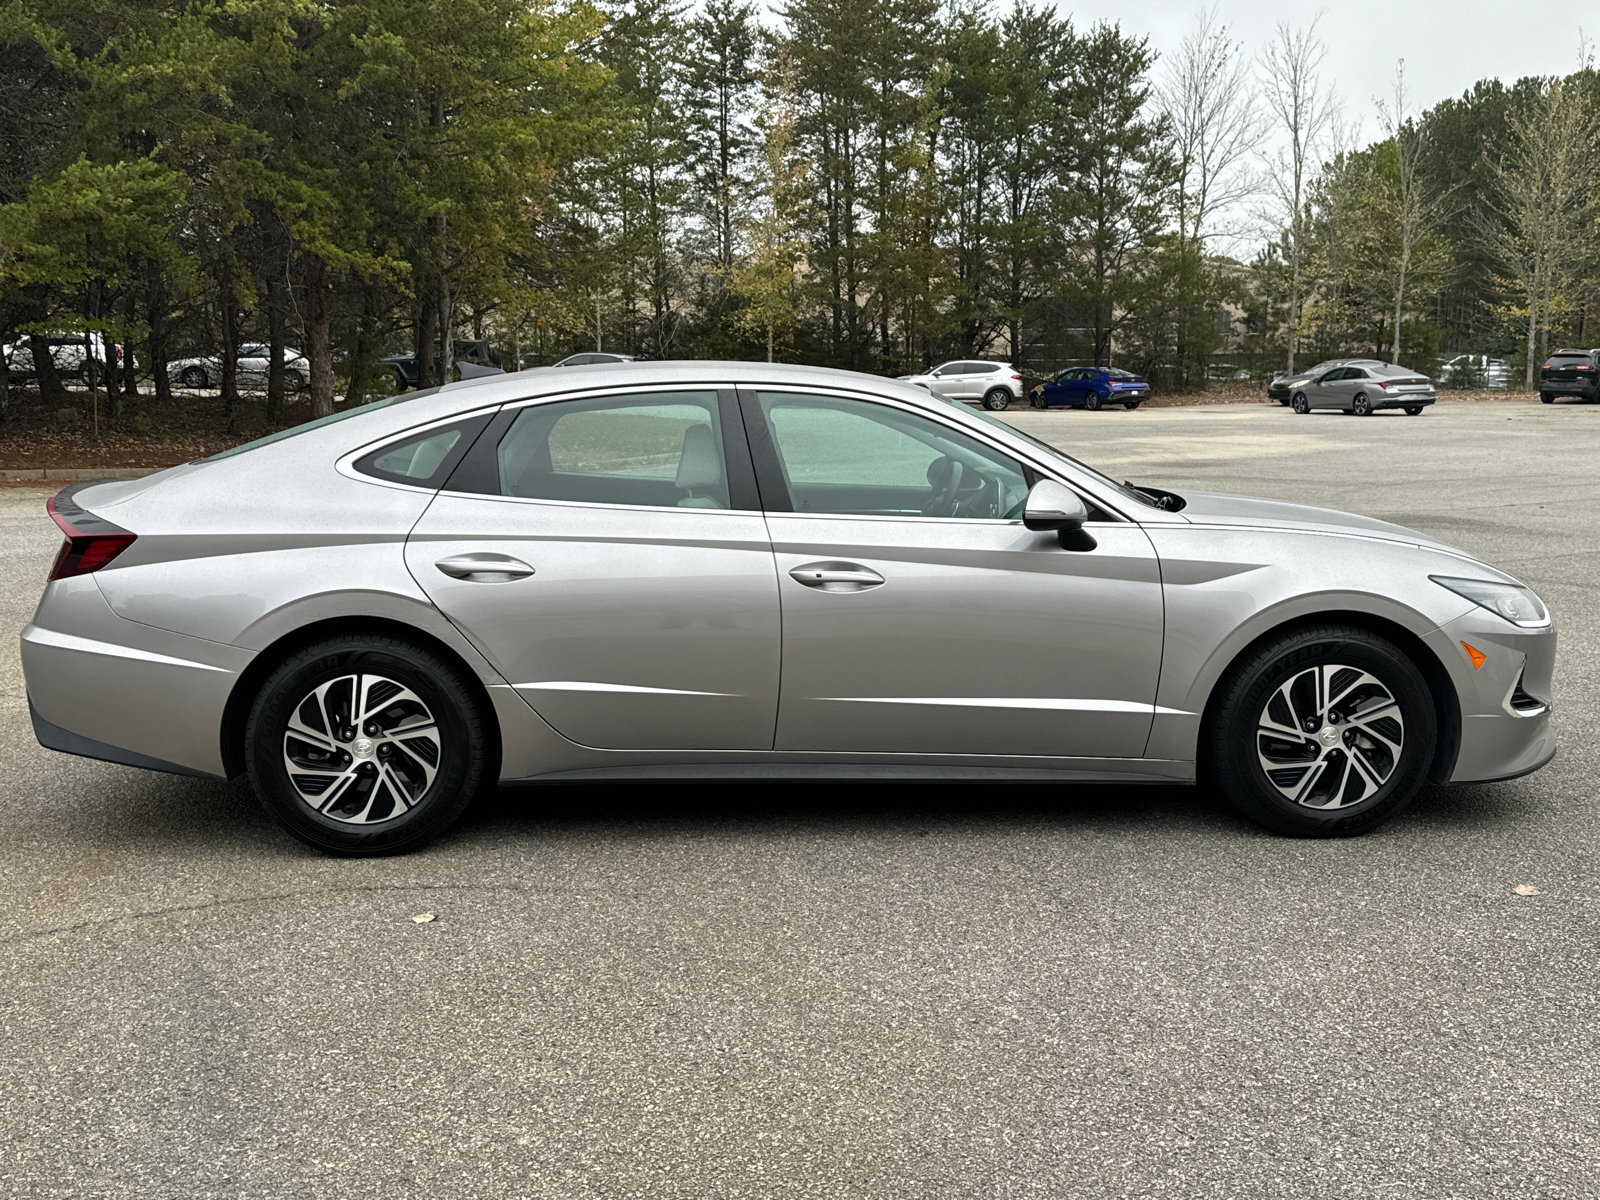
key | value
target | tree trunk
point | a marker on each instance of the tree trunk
(275, 340)
(229, 304)
(130, 377)
(160, 380)
(360, 351)
(1399, 300)
(319, 348)
(1533, 321)
(427, 334)
(46, 375)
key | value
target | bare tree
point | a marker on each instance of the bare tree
(1417, 209)
(1210, 97)
(1301, 111)
(1541, 199)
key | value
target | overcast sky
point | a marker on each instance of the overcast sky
(1448, 45)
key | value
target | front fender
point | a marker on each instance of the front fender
(1226, 588)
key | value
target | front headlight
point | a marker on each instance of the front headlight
(1510, 601)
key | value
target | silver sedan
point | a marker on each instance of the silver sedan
(725, 570)
(1363, 388)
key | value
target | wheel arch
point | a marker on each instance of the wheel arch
(1446, 704)
(237, 709)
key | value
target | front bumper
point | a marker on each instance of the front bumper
(1505, 703)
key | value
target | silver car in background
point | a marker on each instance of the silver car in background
(1364, 388)
(661, 571)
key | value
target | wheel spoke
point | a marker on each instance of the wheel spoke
(380, 774)
(1350, 713)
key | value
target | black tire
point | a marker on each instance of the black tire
(460, 747)
(91, 373)
(1130, 405)
(1361, 406)
(194, 377)
(293, 381)
(1300, 404)
(1092, 402)
(1233, 744)
(1414, 410)
(997, 399)
(1546, 398)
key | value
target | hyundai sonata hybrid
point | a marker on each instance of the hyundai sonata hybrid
(663, 571)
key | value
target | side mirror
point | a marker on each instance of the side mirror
(1053, 505)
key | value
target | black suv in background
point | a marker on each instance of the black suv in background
(404, 366)
(1573, 373)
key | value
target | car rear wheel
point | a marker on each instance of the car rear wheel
(294, 381)
(194, 377)
(997, 399)
(365, 745)
(1300, 404)
(1130, 405)
(1093, 402)
(1546, 398)
(1414, 410)
(1321, 732)
(1361, 406)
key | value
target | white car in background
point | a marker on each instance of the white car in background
(1484, 371)
(76, 355)
(205, 370)
(992, 384)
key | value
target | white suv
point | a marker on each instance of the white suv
(992, 384)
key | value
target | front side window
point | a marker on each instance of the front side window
(863, 459)
(659, 449)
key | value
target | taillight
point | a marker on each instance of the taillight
(118, 349)
(83, 553)
(1018, 378)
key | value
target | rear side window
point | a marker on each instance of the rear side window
(657, 449)
(423, 459)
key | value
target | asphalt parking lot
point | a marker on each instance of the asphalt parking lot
(844, 991)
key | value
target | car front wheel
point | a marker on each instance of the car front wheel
(194, 377)
(997, 399)
(1300, 404)
(365, 745)
(1321, 732)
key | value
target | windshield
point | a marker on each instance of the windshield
(308, 426)
(1122, 489)
(1117, 373)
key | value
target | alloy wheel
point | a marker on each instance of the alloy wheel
(1330, 737)
(1302, 405)
(194, 377)
(1361, 406)
(361, 749)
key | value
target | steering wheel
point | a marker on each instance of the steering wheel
(959, 491)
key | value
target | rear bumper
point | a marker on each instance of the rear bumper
(109, 688)
(1578, 391)
(1405, 402)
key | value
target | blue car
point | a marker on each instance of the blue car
(1091, 388)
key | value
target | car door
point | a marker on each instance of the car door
(609, 557)
(945, 380)
(920, 616)
(252, 365)
(1326, 391)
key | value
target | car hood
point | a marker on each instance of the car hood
(1216, 508)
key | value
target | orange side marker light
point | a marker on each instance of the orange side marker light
(1477, 656)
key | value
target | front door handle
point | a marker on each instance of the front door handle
(836, 576)
(484, 568)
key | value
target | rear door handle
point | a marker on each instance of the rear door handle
(836, 576)
(484, 568)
